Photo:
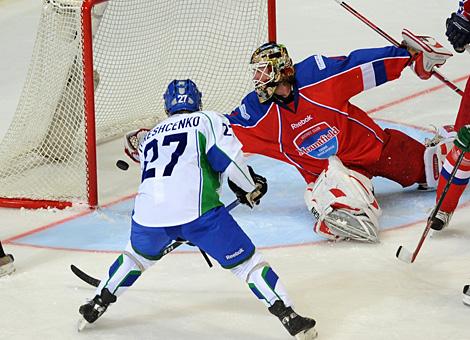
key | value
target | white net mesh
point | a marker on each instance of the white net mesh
(138, 47)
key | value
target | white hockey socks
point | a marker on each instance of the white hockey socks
(124, 272)
(262, 280)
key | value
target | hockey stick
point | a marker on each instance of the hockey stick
(403, 253)
(84, 276)
(358, 15)
(168, 249)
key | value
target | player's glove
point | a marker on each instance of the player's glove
(463, 138)
(132, 140)
(250, 198)
(458, 32)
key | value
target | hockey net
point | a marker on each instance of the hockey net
(103, 66)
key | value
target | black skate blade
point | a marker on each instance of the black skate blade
(84, 276)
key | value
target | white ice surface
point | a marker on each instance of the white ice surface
(354, 291)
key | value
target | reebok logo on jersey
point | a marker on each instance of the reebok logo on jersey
(318, 141)
(302, 122)
(235, 254)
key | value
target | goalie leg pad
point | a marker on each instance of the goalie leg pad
(436, 153)
(262, 280)
(343, 200)
(324, 230)
(356, 227)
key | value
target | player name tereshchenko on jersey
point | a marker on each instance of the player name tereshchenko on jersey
(190, 121)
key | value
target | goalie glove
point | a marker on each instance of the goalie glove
(132, 140)
(250, 198)
(426, 53)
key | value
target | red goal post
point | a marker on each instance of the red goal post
(99, 69)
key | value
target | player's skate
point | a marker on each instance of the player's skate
(441, 220)
(466, 295)
(300, 327)
(6, 265)
(93, 309)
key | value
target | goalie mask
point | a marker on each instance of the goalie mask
(182, 96)
(271, 65)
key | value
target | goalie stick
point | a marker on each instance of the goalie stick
(95, 282)
(396, 43)
(403, 253)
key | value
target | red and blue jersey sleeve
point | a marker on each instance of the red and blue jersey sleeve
(256, 126)
(343, 77)
(464, 8)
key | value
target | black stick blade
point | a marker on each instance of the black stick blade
(84, 276)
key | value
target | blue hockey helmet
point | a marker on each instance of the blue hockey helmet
(182, 95)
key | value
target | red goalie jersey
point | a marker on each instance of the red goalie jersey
(320, 121)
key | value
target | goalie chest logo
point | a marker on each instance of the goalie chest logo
(319, 141)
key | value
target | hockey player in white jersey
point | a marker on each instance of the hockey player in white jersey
(182, 160)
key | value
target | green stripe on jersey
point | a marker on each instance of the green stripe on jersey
(210, 179)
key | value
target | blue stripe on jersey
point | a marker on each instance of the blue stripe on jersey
(380, 73)
(457, 181)
(218, 160)
(307, 71)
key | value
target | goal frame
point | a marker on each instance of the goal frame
(89, 103)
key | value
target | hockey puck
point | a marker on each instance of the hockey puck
(123, 165)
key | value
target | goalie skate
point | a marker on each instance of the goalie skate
(344, 224)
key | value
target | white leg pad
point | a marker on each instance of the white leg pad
(344, 200)
(435, 154)
(124, 271)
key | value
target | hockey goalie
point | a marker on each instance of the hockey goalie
(300, 114)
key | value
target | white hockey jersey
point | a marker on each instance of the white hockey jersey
(182, 159)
